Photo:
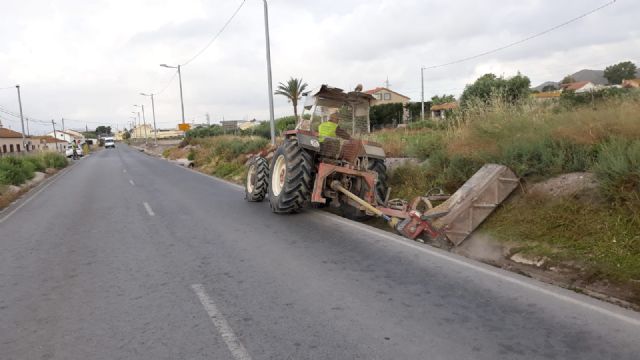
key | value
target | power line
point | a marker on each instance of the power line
(215, 37)
(167, 84)
(522, 40)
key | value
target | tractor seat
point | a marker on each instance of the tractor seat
(330, 147)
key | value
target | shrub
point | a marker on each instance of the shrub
(618, 169)
(54, 160)
(15, 171)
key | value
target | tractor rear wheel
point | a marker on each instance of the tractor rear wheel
(378, 166)
(291, 178)
(257, 184)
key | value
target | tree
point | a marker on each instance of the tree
(567, 80)
(103, 130)
(436, 100)
(547, 88)
(489, 86)
(621, 71)
(292, 90)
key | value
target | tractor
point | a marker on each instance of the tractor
(350, 175)
(304, 168)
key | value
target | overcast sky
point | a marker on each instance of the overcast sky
(88, 60)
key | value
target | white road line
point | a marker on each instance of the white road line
(132, 183)
(492, 272)
(233, 343)
(26, 201)
(149, 211)
(124, 171)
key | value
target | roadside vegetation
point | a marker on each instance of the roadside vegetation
(597, 233)
(16, 171)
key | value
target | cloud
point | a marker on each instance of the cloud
(89, 60)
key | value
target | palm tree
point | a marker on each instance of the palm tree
(292, 90)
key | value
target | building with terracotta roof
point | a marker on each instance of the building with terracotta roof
(579, 87)
(383, 95)
(10, 141)
(439, 111)
(48, 143)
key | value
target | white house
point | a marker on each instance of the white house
(580, 86)
(67, 135)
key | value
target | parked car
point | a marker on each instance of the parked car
(69, 151)
(109, 143)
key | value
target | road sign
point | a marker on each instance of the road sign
(184, 127)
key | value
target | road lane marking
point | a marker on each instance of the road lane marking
(469, 263)
(149, 210)
(124, 171)
(508, 277)
(27, 200)
(233, 343)
(132, 183)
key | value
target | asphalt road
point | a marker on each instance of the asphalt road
(125, 256)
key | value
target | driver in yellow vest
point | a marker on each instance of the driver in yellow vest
(331, 129)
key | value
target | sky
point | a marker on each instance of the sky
(88, 61)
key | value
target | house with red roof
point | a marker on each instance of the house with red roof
(383, 95)
(10, 141)
(579, 87)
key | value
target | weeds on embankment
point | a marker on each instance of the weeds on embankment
(539, 141)
(224, 156)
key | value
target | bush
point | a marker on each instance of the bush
(15, 171)
(54, 160)
(618, 169)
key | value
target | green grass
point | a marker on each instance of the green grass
(605, 240)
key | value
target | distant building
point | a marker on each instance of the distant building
(383, 95)
(67, 135)
(48, 143)
(579, 87)
(10, 141)
(439, 111)
(142, 132)
(631, 84)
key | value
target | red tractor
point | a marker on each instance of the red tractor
(304, 167)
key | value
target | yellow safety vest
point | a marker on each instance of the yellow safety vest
(327, 129)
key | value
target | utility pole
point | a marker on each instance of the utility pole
(27, 121)
(269, 81)
(55, 135)
(208, 120)
(21, 117)
(422, 93)
(63, 124)
(144, 121)
(153, 111)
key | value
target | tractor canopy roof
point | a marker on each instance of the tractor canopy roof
(334, 97)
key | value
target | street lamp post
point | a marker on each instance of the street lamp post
(137, 113)
(24, 141)
(269, 81)
(422, 94)
(180, 82)
(144, 123)
(153, 111)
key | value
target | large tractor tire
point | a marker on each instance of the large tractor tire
(291, 178)
(257, 184)
(378, 166)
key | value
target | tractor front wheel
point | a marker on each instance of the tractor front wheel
(291, 178)
(257, 183)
